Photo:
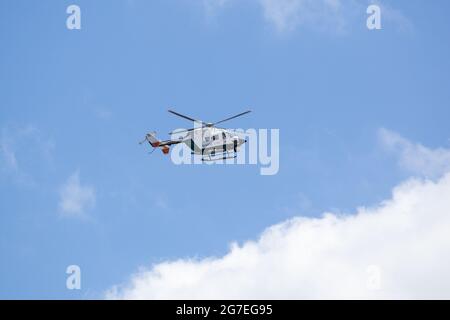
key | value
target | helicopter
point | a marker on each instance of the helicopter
(205, 139)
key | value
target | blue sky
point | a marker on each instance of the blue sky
(76, 102)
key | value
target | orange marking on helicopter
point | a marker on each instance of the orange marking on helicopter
(165, 149)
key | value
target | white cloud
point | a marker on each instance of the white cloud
(8, 155)
(211, 6)
(397, 249)
(286, 15)
(415, 157)
(336, 16)
(394, 17)
(76, 199)
(22, 149)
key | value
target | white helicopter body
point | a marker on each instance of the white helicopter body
(204, 139)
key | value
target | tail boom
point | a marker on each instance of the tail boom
(156, 143)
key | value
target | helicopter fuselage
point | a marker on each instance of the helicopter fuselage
(212, 141)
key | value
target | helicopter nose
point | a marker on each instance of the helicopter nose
(238, 140)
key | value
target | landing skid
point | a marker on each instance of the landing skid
(215, 159)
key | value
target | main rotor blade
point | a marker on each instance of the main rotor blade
(183, 116)
(238, 115)
(187, 130)
(183, 131)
